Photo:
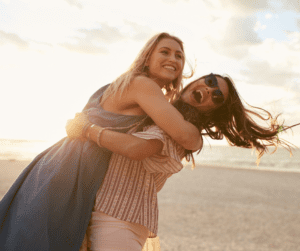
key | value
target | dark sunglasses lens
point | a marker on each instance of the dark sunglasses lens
(211, 80)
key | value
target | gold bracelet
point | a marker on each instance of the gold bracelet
(98, 137)
(88, 134)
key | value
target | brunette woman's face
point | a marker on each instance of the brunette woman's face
(200, 95)
(166, 62)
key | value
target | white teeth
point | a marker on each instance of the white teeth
(169, 67)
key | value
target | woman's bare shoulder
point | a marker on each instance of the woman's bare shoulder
(143, 85)
(145, 81)
(141, 78)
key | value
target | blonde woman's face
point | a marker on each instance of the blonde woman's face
(166, 62)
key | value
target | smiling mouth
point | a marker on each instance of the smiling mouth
(197, 96)
(172, 68)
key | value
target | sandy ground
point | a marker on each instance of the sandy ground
(219, 209)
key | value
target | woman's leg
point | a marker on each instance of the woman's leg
(107, 233)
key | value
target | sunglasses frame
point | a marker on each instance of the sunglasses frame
(212, 81)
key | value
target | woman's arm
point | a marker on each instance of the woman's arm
(148, 95)
(121, 143)
(125, 144)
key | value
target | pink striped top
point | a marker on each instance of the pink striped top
(129, 190)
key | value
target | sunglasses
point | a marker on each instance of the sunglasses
(217, 95)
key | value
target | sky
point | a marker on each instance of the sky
(54, 54)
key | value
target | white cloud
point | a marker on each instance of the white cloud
(293, 5)
(97, 40)
(173, 1)
(11, 38)
(261, 73)
(238, 7)
(268, 16)
(294, 40)
(279, 55)
(234, 36)
(85, 47)
(75, 3)
(259, 26)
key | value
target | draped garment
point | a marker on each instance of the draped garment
(49, 205)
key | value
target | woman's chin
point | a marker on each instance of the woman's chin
(163, 80)
(169, 77)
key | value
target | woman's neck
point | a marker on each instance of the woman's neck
(161, 83)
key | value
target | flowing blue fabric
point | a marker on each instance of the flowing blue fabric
(49, 206)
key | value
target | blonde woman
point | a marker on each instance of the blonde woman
(50, 204)
(125, 213)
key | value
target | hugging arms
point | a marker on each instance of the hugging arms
(208, 102)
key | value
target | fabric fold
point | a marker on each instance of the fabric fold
(49, 205)
(168, 161)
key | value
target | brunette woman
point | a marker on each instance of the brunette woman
(126, 208)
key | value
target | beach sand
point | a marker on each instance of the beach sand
(219, 209)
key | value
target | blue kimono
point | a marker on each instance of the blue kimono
(49, 206)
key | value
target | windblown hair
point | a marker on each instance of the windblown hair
(234, 121)
(138, 68)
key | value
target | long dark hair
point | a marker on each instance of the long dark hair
(236, 123)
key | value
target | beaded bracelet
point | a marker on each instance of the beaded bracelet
(98, 137)
(88, 134)
(86, 126)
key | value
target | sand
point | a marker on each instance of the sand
(219, 209)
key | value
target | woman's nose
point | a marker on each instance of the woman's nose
(172, 57)
(210, 89)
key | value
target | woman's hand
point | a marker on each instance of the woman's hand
(75, 126)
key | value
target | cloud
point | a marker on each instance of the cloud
(247, 6)
(242, 7)
(235, 38)
(268, 16)
(173, 1)
(139, 32)
(106, 34)
(294, 43)
(262, 73)
(293, 5)
(75, 3)
(84, 46)
(11, 38)
(239, 7)
(42, 43)
(94, 41)
(240, 31)
(259, 26)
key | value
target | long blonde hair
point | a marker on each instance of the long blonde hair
(138, 68)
